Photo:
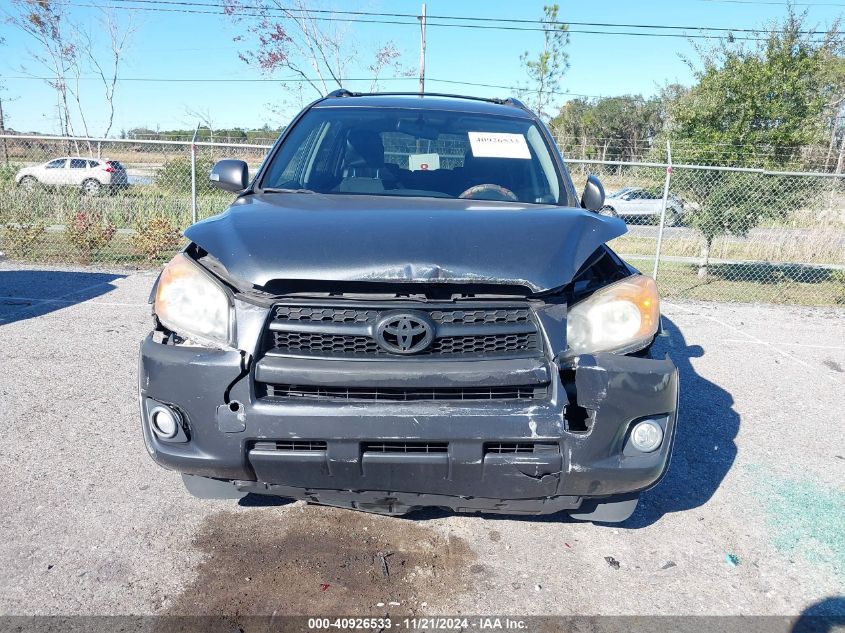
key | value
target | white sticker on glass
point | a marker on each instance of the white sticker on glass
(498, 145)
(424, 162)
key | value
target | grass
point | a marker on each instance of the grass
(757, 283)
(123, 209)
(821, 247)
(121, 251)
(790, 284)
(777, 281)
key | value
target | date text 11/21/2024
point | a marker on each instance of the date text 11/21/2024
(487, 623)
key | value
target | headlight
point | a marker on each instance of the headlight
(620, 317)
(191, 303)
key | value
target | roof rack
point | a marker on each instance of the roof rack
(342, 92)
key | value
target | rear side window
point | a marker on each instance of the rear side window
(78, 163)
(93, 163)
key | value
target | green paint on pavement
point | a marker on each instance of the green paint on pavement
(803, 517)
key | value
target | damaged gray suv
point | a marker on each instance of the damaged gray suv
(408, 305)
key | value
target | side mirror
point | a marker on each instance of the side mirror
(229, 175)
(593, 196)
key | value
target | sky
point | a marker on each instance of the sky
(181, 46)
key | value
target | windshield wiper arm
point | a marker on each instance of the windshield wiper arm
(283, 190)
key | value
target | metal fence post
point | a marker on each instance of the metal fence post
(663, 208)
(194, 176)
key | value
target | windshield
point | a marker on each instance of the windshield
(414, 152)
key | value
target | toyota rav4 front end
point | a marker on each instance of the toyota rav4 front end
(408, 306)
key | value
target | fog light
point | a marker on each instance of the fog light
(647, 436)
(165, 422)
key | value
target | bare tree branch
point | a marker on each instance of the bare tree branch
(288, 36)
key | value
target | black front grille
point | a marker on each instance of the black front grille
(339, 344)
(290, 445)
(340, 331)
(404, 447)
(490, 344)
(311, 314)
(313, 392)
(514, 448)
(330, 344)
(325, 314)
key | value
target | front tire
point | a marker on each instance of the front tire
(92, 187)
(673, 218)
(29, 183)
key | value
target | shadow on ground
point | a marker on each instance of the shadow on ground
(704, 448)
(25, 294)
(773, 274)
(822, 617)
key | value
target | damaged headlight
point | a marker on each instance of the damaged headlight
(621, 317)
(191, 303)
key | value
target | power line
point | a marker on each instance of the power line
(412, 16)
(474, 84)
(301, 80)
(208, 79)
(434, 24)
(780, 4)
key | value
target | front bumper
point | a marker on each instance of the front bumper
(564, 468)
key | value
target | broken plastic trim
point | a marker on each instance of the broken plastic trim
(578, 419)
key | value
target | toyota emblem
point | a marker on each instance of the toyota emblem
(404, 332)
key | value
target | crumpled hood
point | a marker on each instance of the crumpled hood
(287, 236)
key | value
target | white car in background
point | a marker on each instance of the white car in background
(92, 175)
(644, 205)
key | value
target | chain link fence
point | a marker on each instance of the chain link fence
(727, 234)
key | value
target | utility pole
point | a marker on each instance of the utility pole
(3, 132)
(422, 50)
(194, 175)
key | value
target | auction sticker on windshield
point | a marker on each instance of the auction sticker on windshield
(498, 145)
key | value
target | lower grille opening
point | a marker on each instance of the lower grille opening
(405, 447)
(510, 448)
(313, 392)
(291, 445)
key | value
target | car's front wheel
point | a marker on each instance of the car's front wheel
(673, 218)
(29, 183)
(92, 187)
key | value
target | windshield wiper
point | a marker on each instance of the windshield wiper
(283, 190)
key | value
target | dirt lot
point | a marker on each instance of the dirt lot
(748, 521)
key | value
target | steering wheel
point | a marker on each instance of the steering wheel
(496, 191)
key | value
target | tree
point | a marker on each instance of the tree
(56, 51)
(776, 96)
(546, 70)
(68, 52)
(754, 106)
(204, 117)
(291, 36)
(610, 128)
(119, 35)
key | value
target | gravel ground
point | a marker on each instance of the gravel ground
(91, 525)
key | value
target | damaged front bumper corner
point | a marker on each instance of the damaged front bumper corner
(569, 452)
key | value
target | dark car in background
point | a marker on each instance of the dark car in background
(409, 305)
